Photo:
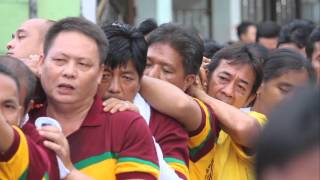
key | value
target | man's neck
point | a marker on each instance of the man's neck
(259, 107)
(70, 116)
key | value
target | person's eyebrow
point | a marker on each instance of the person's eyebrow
(285, 84)
(21, 31)
(11, 101)
(244, 82)
(225, 73)
(127, 72)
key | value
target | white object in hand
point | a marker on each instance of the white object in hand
(47, 121)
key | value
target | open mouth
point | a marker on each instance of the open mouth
(9, 53)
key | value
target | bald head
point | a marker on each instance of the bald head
(28, 39)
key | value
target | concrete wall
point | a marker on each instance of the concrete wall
(145, 9)
(160, 10)
(226, 17)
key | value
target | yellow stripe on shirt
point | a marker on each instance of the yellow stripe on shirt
(128, 164)
(201, 137)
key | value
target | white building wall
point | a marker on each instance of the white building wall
(160, 10)
(88, 9)
(226, 17)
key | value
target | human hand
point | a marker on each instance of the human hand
(57, 142)
(196, 90)
(203, 73)
(113, 105)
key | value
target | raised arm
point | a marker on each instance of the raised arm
(172, 101)
(241, 127)
(6, 135)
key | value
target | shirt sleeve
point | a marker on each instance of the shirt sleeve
(202, 140)
(137, 157)
(25, 159)
(240, 151)
(14, 163)
(172, 139)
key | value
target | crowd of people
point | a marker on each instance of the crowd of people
(82, 101)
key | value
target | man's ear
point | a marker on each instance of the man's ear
(40, 64)
(303, 51)
(101, 70)
(188, 81)
(260, 89)
(30, 105)
(20, 116)
(251, 98)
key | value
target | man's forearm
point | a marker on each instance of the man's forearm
(6, 136)
(241, 127)
(172, 101)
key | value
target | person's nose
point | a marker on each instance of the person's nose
(10, 44)
(114, 87)
(69, 70)
(154, 72)
(228, 90)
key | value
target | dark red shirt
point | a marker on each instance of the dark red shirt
(109, 146)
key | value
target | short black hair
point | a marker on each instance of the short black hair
(25, 76)
(268, 29)
(261, 51)
(313, 38)
(243, 27)
(292, 130)
(7, 72)
(185, 41)
(126, 44)
(148, 25)
(80, 25)
(296, 32)
(239, 53)
(283, 60)
(210, 48)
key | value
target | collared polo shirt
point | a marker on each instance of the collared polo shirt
(111, 146)
(172, 138)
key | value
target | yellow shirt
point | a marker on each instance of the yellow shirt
(230, 161)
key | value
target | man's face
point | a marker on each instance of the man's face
(122, 82)
(27, 40)
(270, 43)
(232, 83)
(71, 71)
(250, 35)
(9, 102)
(275, 90)
(165, 63)
(316, 59)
